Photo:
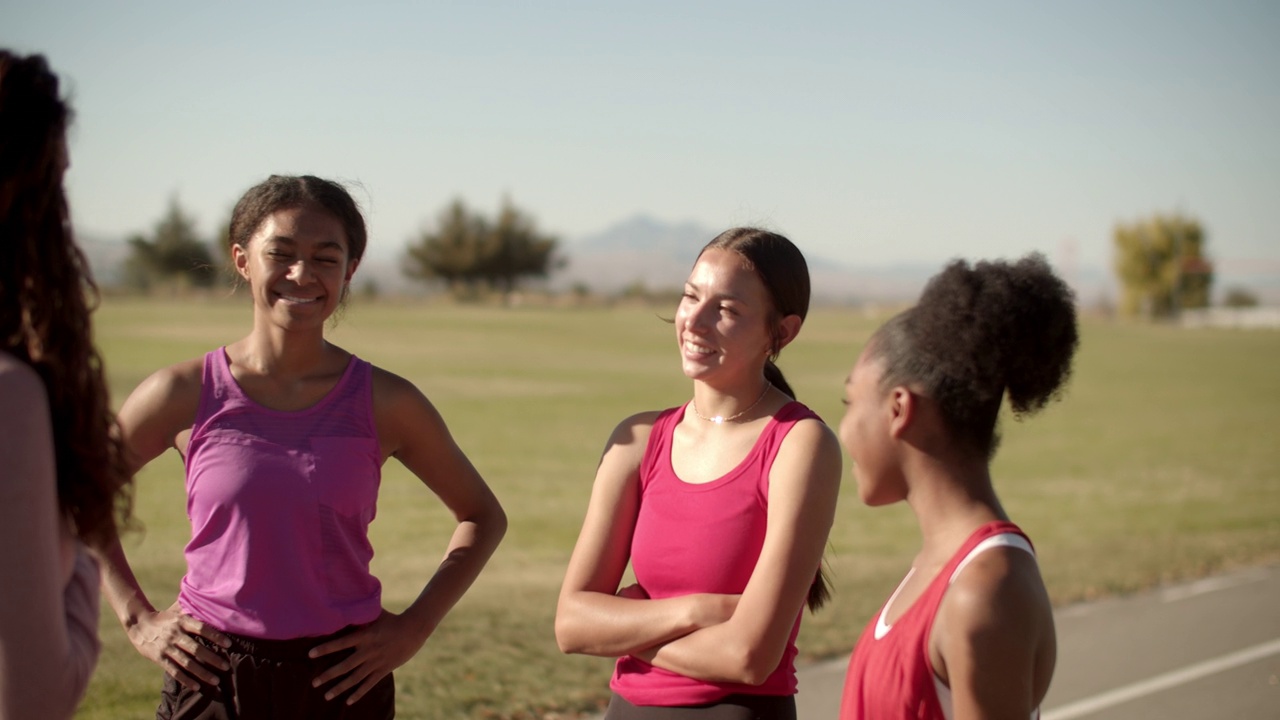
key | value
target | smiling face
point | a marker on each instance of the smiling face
(297, 266)
(724, 318)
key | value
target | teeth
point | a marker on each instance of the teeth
(293, 299)
(697, 348)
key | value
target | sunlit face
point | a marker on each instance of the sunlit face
(865, 432)
(723, 320)
(297, 265)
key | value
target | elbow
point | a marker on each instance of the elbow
(569, 637)
(750, 665)
(499, 523)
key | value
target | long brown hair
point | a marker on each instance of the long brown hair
(45, 286)
(782, 269)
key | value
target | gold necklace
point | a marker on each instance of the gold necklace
(720, 419)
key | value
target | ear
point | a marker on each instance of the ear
(240, 259)
(351, 269)
(902, 411)
(787, 330)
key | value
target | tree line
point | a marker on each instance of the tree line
(1160, 262)
(464, 250)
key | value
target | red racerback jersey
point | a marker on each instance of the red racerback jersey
(890, 674)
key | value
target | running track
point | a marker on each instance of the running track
(1206, 649)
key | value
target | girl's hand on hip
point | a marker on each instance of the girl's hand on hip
(168, 639)
(376, 650)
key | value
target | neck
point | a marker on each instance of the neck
(272, 350)
(950, 499)
(728, 404)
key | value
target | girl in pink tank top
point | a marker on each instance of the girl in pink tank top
(969, 631)
(721, 505)
(283, 436)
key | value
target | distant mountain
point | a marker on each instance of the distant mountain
(106, 257)
(658, 255)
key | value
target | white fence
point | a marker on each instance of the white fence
(1225, 317)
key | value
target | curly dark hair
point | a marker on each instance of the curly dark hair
(782, 268)
(978, 333)
(282, 192)
(45, 286)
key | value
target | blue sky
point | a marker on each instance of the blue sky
(870, 133)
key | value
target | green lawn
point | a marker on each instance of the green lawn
(1160, 463)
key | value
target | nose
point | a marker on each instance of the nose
(703, 315)
(300, 272)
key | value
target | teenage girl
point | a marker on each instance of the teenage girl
(63, 480)
(969, 631)
(284, 435)
(722, 506)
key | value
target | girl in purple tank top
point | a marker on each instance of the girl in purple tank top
(721, 505)
(969, 631)
(283, 436)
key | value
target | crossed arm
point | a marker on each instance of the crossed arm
(708, 637)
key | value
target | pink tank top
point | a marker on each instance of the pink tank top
(280, 505)
(890, 674)
(702, 538)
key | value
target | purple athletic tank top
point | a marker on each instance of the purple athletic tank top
(280, 505)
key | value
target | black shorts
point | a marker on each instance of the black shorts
(271, 679)
(733, 707)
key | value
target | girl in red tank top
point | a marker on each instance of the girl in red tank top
(969, 631)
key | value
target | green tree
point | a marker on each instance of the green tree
(466, 250)
(1239, 297)
(174, 255)
(453, 251)
(1161, 265)
(517, 250)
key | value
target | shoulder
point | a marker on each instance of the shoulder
(390, 386)
(809, 443)
(24, 404)
(20, 384)
(175, 383)
(999, 590)
(635, 428)
(624, 451)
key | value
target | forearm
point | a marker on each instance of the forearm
(120, 586)
(719, 653)
(602, 624)
(472, 544)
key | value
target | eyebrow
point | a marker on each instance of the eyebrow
(722, 296)
(323, 245)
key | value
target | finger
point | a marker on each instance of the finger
(336, 671)
(184, 678)
(347, 683)
(204, 630)
(343, 643)
(193, 667)
(202, 653)
(369, 683)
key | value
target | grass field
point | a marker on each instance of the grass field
(1161, 463)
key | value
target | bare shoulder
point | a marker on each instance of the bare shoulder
(177, 384)
(624, 451)
(1000, 588)
(810, 445)
(391, 388)
(635, 429)
(160, 409)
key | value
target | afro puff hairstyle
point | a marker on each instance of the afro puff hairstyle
(977, 333)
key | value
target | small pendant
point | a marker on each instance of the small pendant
(719, 419)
